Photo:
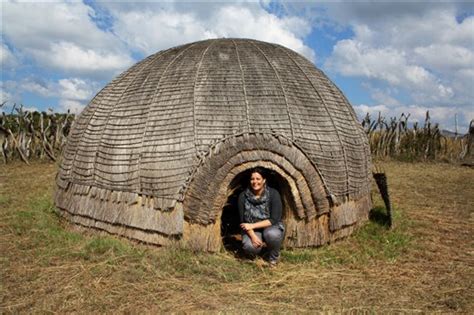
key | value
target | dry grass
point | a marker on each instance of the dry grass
(424, 264)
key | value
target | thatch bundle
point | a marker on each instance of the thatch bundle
(160, 151)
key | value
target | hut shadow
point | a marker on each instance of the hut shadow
(233, 245)
(380, 216)
(230, 225)
(230, 229)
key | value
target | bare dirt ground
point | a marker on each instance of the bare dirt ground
(424, 264)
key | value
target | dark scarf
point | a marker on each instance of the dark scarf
(256, 209)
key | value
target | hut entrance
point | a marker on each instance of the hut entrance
(230, 221)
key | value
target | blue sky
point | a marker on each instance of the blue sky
(391, 57)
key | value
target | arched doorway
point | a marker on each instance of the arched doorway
(230, 221)
(222, 170)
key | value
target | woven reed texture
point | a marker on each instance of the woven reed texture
(203, 203)
(148, 130)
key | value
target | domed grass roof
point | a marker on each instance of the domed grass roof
(148, 130)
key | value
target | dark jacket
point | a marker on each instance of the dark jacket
(274, 204)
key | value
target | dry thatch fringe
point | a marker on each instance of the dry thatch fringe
(33, 135)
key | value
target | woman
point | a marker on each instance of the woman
(260, 212)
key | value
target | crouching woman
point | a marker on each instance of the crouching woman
(260, 210)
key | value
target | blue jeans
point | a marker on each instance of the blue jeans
(272, 236)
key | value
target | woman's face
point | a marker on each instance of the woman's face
(257, 182)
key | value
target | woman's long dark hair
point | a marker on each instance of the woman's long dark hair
(258, 169)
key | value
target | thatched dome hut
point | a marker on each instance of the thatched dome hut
(160, 152)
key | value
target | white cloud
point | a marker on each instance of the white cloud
(73, 106)
(432, 26)
(9, 93)
(463, 80)
(70, 57)
(69, 88)
(31, 109)
(71, 93)
(75, 93)
(444, 57)
(4, 96)
(150, 31)
(261, 25)
(384, 97)
(352, 57)
(420, 57)
(155, 28)
(426, 53)
(7, 59)
(76, 89)
(38, 86)
(62, 35)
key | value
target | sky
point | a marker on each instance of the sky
(391, 57)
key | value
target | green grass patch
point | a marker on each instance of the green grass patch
(101, 245)
(330, 255)
(376, 240)
(38, 229)
(373, 241)
(37, 218)
(4, 200)
(298, 256)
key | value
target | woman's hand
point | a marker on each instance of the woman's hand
(256, 242)
(246, 226)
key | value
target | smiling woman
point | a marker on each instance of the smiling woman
(260, 211)
(156, 154)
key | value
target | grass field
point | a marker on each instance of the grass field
(424, 264)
